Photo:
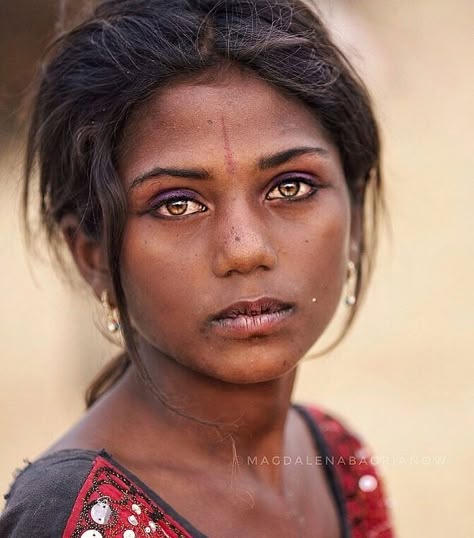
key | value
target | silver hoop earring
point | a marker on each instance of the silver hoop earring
(351, 283)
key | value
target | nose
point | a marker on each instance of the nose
(243, 245)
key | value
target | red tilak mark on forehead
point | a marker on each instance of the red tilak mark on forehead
(229, 156)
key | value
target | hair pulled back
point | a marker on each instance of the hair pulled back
(124, 51)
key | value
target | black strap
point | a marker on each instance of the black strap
(334, 484)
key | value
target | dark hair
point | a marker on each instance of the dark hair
(123, 51)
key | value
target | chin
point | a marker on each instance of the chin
(259, 367)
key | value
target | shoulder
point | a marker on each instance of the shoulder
(78, 493)
(338, 433)
(43, 494)
(359, 477)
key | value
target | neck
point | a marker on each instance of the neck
(216, 423)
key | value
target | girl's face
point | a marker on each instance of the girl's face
(236, 195)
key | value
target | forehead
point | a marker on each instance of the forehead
(192, 121)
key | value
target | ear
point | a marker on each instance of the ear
(357, 224)
(88, 254)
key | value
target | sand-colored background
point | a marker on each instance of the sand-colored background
(403, 378)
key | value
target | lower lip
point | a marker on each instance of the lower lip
(248, 326)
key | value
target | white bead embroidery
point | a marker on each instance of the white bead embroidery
(136, 509)
(367, 483)
(101, 512)
(133, 520)
(91, 534)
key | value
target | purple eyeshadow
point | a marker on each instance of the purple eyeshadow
(173, 195)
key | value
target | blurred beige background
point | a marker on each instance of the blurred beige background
(403, 378)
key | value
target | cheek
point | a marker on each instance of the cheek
(331, 252)
(319, 259)
(158, 274)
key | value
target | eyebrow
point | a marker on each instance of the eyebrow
(189, 173)
(284, 156)
(264, 163)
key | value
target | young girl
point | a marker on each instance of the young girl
(210, 166)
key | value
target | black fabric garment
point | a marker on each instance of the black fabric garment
(43, 494)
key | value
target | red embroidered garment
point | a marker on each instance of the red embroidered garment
(363, 491)
(110, 504)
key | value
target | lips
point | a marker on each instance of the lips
(252, 308)
(246, 319)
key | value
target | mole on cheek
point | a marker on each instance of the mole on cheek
(228, 155)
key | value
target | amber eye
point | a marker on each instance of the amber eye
(289, 189)
(178, 207)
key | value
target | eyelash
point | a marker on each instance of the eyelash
(314, 188)
(299, 181)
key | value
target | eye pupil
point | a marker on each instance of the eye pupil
(289, 189)
(178, 207)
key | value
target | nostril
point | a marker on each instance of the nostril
(242, 251)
